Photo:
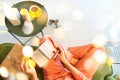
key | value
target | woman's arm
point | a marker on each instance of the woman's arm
(29, 70)
(75, 72)
(34, 77)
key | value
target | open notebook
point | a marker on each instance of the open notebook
(44, 52)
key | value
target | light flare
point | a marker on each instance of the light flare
(110, 61)
(35, 41)
(67, 26)
(100, 56)
(99, 40)
(21, 76)
(109, 50)
(59, 32)
(4, 72)
(27, 51)
(78, 15)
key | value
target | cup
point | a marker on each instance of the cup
(35, 11)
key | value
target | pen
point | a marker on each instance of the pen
(56, 54)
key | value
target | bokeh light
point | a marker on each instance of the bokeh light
(113, 32)
(35, 41)
(11, 76)
(78, 15)
(99, 40)
(4, 72)
(110, 61)
(67, 26)
(59, 32)
(109, 50)
(111, 18)
(100, 56)
(21, 76)
(27, 51)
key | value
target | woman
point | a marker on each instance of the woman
(76, 63)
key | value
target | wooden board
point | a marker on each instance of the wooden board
(13, 59)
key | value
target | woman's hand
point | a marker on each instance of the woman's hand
(52, 41)
(28, 70)
(57, 46)
(62, 53)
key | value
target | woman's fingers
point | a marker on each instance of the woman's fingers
(53, 41)
(60, 47)
(22, 66)
(44, 38)
(26, 66)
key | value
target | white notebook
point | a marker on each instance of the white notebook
(44, 52)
